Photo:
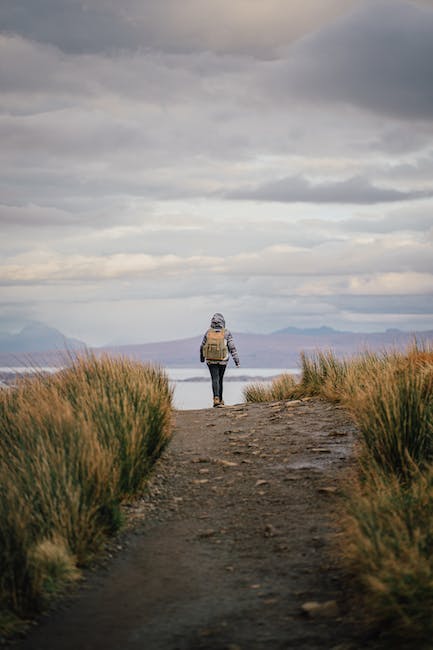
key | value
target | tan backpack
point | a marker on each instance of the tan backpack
(215, 348)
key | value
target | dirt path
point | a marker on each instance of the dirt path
(232, 539)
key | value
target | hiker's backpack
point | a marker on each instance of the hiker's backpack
(215, 348)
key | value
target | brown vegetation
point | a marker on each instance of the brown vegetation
(71, 447)
(388, 525)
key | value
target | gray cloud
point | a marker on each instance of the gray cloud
(356, 190)
(399, 259)
(71, 25)
(105, 26)
(378, 58)
(401, 138)
(129, 129)
(419, 170)
(416, 219)
(401, 304)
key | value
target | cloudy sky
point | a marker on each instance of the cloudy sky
(165, 159)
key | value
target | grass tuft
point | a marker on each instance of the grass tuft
(72, 446)
(389, 524)
(51, 564)
(389, 529)
(282, 387)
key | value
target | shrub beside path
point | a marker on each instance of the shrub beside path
(231, 544)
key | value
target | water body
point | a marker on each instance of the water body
(192, 386)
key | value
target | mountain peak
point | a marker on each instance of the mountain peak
(36, 336)
(312, 331)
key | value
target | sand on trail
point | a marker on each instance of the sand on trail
(235, 533)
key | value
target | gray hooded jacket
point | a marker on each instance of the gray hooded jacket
(218, 323)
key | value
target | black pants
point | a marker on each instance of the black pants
(217, 371)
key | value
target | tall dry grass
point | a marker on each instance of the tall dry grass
(388, 529)
(322, 374)
(282, 387)
(71, 447)
(387, 543)
(130, 406)
(393, 411)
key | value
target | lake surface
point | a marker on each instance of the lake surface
(192, 386)
(193, 390)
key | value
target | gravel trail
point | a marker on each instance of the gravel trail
(232, 538)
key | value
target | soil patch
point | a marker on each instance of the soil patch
(232, 538)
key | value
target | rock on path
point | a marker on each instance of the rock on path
(231, 548)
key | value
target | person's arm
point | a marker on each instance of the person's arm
(202, 359)
(232, 348)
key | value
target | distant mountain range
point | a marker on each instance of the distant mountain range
(313, 331)
(276, 350)
(38, 344)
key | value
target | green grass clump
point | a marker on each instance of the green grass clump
(130, 406)
(394, 413)
(388, 527)
(256, 392)
(389, 524)
(282, 387)
(72, 446)
(388, 543)
(322, 374)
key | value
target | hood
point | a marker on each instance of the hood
(217, 321)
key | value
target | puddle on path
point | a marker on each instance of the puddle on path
(299, 465)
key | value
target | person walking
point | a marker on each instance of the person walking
(215, 348)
